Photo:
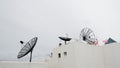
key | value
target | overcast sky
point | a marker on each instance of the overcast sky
(48, 19)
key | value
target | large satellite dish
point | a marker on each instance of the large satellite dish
(88, 35)
(28, 47)
(65, 39)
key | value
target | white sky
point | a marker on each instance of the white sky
(48, 19)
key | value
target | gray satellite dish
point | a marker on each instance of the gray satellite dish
(88, 35)
(65, 39)
(28, 47)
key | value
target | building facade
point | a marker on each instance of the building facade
(82, 55)
(76, 55)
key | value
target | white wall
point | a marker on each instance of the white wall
(112, 56)
(23, 65)
(64, 61)
(81, 55)
(89, 56)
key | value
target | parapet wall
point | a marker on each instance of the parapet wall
(81, 55)
(23, 65)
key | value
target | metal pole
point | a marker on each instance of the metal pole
(65, 42)
(31, 56)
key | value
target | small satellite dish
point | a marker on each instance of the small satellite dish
(65, 39)
(88, 35)
(28, 47)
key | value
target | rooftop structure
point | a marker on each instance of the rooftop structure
(82, 55)
(76, 55)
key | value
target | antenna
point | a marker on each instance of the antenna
(88, 35)
(28, 47)
(65, 39)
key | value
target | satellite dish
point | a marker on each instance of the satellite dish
(28, 47)
(88, 35)
(65, 39)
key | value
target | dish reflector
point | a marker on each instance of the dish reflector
(28, 47)
(65, 39)
(88, 35)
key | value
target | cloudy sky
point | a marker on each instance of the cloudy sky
(48, 19)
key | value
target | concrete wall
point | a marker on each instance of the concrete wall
(23, 65)
(89, 56)
(81, 55)
(63, 61)
(112, 56)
